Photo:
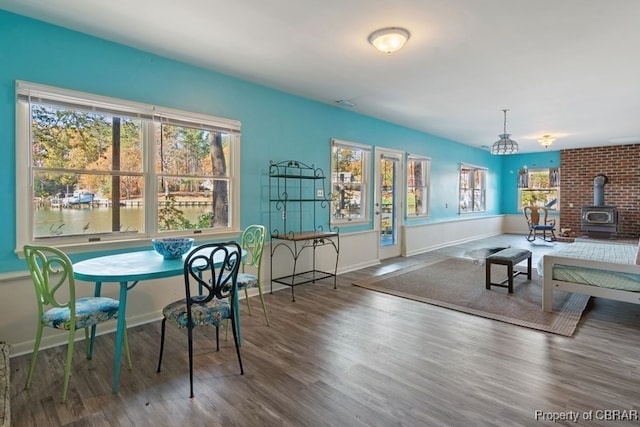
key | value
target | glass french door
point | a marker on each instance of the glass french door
(388, 201)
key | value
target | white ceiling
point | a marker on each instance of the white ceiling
(569, 68)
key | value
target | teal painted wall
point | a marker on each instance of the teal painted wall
(275, 125)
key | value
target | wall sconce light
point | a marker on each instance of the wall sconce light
(546, 141)
(389, 40)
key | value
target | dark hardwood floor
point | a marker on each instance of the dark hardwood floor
(353, 357)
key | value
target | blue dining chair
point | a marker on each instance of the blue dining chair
(212, 270)
(52, 275)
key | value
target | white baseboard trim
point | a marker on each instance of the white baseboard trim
(451, 243)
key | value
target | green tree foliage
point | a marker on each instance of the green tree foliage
(538, 193)
(75, 149)
(347, 177)
(71, 139)
(172, 218)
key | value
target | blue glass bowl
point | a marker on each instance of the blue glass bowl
(172, 247)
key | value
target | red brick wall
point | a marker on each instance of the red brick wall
(621, 165)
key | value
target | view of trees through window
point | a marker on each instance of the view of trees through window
(186, 161)
(538, 191)
(417, 186)
(472, 189)
(348, 183)
(89, 175)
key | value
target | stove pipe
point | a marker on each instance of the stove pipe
(598, 190)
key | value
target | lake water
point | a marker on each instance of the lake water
(49, 222)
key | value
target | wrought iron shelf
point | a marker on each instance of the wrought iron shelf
(299, 220)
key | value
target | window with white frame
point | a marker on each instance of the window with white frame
(418, 171)
(349, 181)
(92, 168)
(539, 187)
(473, 190)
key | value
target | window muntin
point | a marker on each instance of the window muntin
(72, 146)
(418, 173)
(349, 181)
(473, 191)
(538, 190)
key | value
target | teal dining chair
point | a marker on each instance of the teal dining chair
(52, 275)
(212, 271)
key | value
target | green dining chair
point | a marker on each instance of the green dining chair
(52, 274)
(252, 241)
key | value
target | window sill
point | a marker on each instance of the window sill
(132, 244)
(349, 222)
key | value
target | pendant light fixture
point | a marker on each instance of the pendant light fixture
(504, 145)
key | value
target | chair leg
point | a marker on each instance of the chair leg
(226, 326)
(88, 345)
(236, 341)
(246, 298)
(264, 307)
(162, 328)
(91, 342)
(190, 335)
(228, 321)
(67, 367)
(34, 356)
(125, 343)
(532, 236)
(217, 338)
(89, 335)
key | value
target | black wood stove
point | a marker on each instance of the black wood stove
(599, 220)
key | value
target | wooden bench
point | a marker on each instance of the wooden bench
(508, 257)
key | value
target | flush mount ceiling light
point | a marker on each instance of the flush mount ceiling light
(389, 40)
(505, 145)
(546, 141)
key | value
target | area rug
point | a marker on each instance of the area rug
(459, 284)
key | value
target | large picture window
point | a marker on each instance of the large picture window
(104, 169)
(349, 181)
(473, 191)
(418, 170)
